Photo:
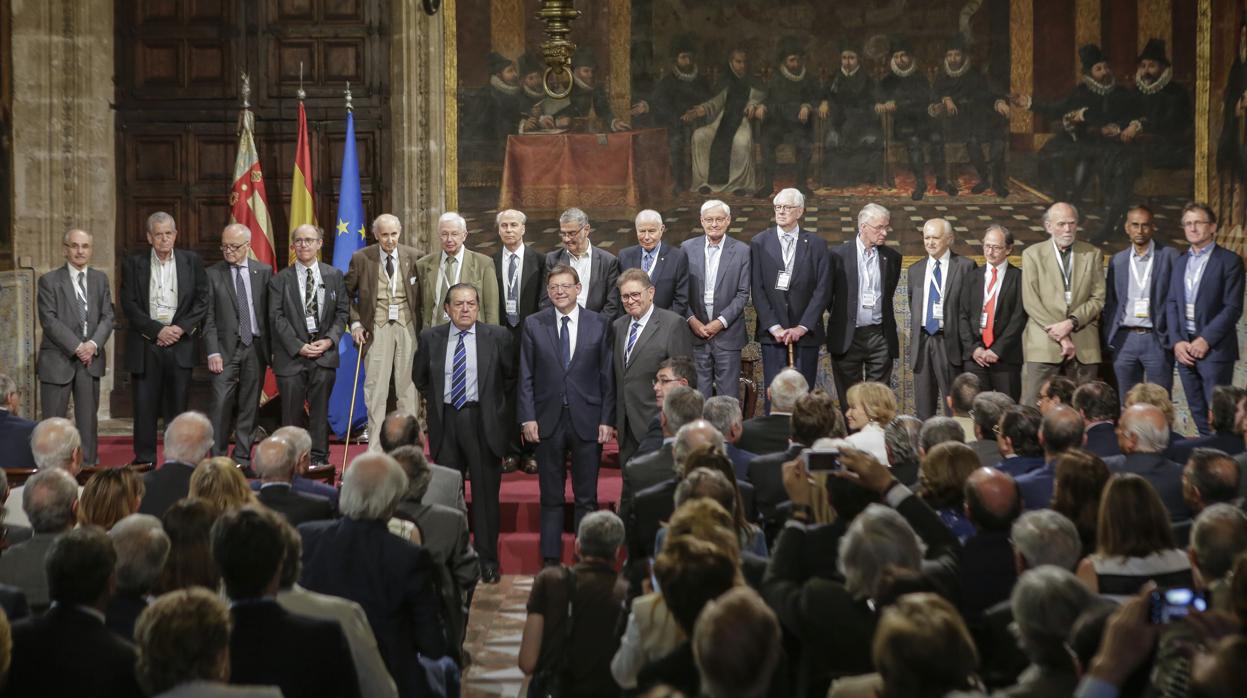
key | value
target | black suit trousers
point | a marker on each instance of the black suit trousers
(159, 391)
(1003, 378)
(866, 360)
(551, 457)
(516, 446)
(235, 401)
(463, 449)
(312, 384)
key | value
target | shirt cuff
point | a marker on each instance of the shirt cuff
(214, 354)
(356, 326)
(722, 320)
(774, 327)
(92, 343)
(1091, 687)
(897, 494)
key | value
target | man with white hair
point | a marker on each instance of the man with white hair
(302, 442)
(275, 460)
(55, 443)
(667, 266)
(1143, 434)
(454, 264)
(188, 439)
(723, 412)
(50, 497)
(1046, 602)
(14, 429)
(142, 548)
(718, 286)
(769, 433)
(597, 269)
(935, 283)
(384, 291)
(357, 558)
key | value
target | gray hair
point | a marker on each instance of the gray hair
(53, 443)
(879, 539)
(786, 387)
(681, 406)
(298, 438)
(456, 219)
(648, 214)
(320, 232)
(871, 212)
(275, 457)
(372, 487)
(712, 204)
(793, 196)
(988, 406)
(723, 411)
(1046, 601)
(574, 215)
(900, 436)
(684, 441)
(71, 231)
(7, 386)
(1217, 537)
(1045, 537)
(416, 467)
(386, 218)
(1047, 214)
(510, 212)
(600, 534)
(188, 437)
(142, 548)
(938, 430)
(158, 218)
(1150, 437)
(48, 498)
(1003, 231)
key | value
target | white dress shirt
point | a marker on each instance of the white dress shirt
(318, 283)
(584, 268)
(929, 277)
(507, 256)
(712, 277)
(573, 328)
(162, 290)
(868, 282)
(644, 319)
(469, 347)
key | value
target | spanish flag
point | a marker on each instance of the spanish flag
(302, 204)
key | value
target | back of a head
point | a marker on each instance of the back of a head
(53, 443)
(416, 467)
(1145, 429)
(1060, 389)
(1213, 474)
(142, 548)
(1218, 536)
(988, 407)
(992, 499)
(600, 534)
(274, 459)
(1151, 394)
(902, 436)
(1062, 430)
(705, 519)
(681, 405)
(109, 496)
(248, 548)
(943, 474)
(723, 411)
(298, 437)
(963, 391)
(79, 566)
(1225, 399)
(1021, 424)
(922, 648)
(372, 487)
(877, 541)
(704, 482)
(696, 435)
(785, 388)
(1046, 601)
(1133, 521)
(188, 437)
(1079, 477)
(736, 645)
(219, 482)
(188, 523)
(813, 417)
(691, 571)
(1097, 401)
(939, 430)
(182, 636)
(48, 499)
(1045, 537)
(399, 429)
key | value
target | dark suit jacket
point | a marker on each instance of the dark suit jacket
(740, 461)
(13, 601)
(987, 450)
(808, 290)
(1117, 302)
(15, 440)
(221, 319)
(1020, 465)
(495, 379)
(136, 275)
(844, 300)
(266, 648)
(532, 283)
(1218, 305)
(290, 333)
(665, 335)
(295, 506)
(1010, 315)
(586, 386)
(391, 578)
(101, 664)
(670, 275)
(165, 486)
(62, 333)
(363, 275)
(1036, 486)
(1102, 440)
(603, 295)
(959, 269)
(123, 611)
(1164, 474)
(986, 573)
(768, 434)
(642, 473)
(1180, 451)
(653, 437)
(731, 292)
(768, 482)
(444, 531)
(1000, 659)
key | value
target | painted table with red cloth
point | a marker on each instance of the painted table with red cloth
(609, 175)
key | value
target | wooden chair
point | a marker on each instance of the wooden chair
(322, 473)
(18, 476)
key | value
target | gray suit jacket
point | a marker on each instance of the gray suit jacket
(665, 335)
(731, 290)
(954, 279)
(221, 321)
(289, 329)
(62, 333)
(374, 680)
(22, 566)
(446, 487)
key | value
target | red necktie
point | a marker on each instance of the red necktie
(989, 308)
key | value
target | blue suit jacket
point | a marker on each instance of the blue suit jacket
(1101, 440)
(1117, 293)
(806, 298)
(1036, 487)
(15, 441)
(588, 383)
(670, 275)
(731, 293)
(1019, 465)
(1218, 305)
(1164, 474)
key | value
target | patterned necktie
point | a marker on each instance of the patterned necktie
(311, 307)
(647, 261)
(448, 275)
(632, 333)
(513, 294)
(245, 333)
(459, 374)
(989, 309)
(565, 343)
(933, 298)
(789, 241)
(82, 302)
(389, 266)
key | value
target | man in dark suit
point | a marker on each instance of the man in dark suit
(521, 272)
(666, 265)
(812, 419)
(274, 462)
(566, 401)
(935, 286)
(236, 340)
(864, 275)
(597, 268)
(188, 440)
(643, 338)
(1225, 417)
(76, 314)
(1060, 431)
(986, 570)
(719, 281)
(1018, 439)
(142, 549)
(988, 407)
(681, 406)
(788, 268)
(1205, 303)
(769, 433)
(723, 412)
(164, 296)
(15, 430)
(1144, 433)
(675, 371)
(307, 313)
(465, 382)
(1097, 403)
(80, 576)
(267, 641)
(1135, 295)
(992, 317)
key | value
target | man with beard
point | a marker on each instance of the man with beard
(970, 111)
(787, 114)
(722, 148)
(588, 99)
(853, 140)
(1166, 118)
(678, 91)
(905, 94)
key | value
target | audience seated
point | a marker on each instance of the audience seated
(142, 547)
(870, 406)
(1077, 487)
(302, 442)
(681, 405)
(188, 524)
(55, 443)
(988, 406)
(1061, 430)
(736, 646)
(446, 486)
(1097, 404)
(723, 411)
(50, 498)
(961, 395)
(1143, 434)
(188, 440)
(673, 372)
(937, 430)
(1046, 602)
(1209, 477)
(901, 436)
(219, 482)
(706, 479)
(1058, 390)
(1018, 440)
(1156, 395)
(1227, 429)
(274, 460)
(11, 534)
(987, 571)
(109, 496)
(769, 433)
(813, 417)
(941, 484)
(15, 430)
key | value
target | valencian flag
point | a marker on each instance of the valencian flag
(248, 204)
(302, 203)
(349, 237)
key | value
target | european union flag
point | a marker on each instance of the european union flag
(350, 236)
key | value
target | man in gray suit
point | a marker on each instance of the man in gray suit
(644, 337)
(236, 340)
(935, 284)
(597, 268)
(50, 498)
(76, 314)
(718, 272)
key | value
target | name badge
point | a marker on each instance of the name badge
(164, 314)
(1190, 311)
(1141, 308)
(310, 320)
(982, 321)
(512, 307)
(393, 316)
(937, 311)
(868, 299)
(1068, 297)
(781, 282)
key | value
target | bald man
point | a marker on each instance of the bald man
(1143, 434)
(934, 353)
(987, 568)
(236, 339)
(1061, 430)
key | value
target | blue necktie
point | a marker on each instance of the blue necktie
(647, 261)
(933, 324)
(565, 343)
(459, 374)
(636, 326)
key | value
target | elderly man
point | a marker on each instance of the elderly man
(357, 558)
(188, 439)
(935, 286)
(384, 292)
(675, 371)
(769, 433)
(451, 265)
(666, 265)
(50, 498)
(1063, 294)
(986, 571)
(723, 412)
(302, 443)
(1061, 430)
(681, 405)
(598, 269)
(142, 548)
(521, 273)
(1143, 434)
(719, 279)
(76, 314)
(992, 317)
(1209, 477)
(275, 460)
(56, 444)
(14, 429)
(1045, 603)
(401, 429)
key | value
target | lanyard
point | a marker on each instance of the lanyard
(1066, 271)
(1147, 271)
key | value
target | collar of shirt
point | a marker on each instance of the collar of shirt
(644, 319)
(157, 260)
(654, 252)
(1151, 246)
(454, 330)
(862, 252)
(75, 271)
(313, 267)
(574, 315)
(518, 254)
(942, 259)
(458, 257)
(1000, 270)
(719, 244)
(796, 230)
(1201, 253)
(580, 258)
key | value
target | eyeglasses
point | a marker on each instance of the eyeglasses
(568, 234)
(719, 220)
(452, 235)
(785, 208)
(304, 242)
(636, 296)
(664, 381)
(884, 228)
(233, 248)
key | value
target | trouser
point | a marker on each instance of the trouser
(390, 354)
(932, 376)
(463, 448)
(1198, 382)
(235, 401)
(718, 370)
(552, 452)
(775, 359)
(516, 446)
(1141, 356)
(1001, 377)
(868, 359)
(85, 390)
(1037, 373)
(312, 384)
(159, 391)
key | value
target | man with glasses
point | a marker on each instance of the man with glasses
(521, 277)
(992, 317)
(566, 401)
(598, 269)
(455, 264)
(862, 337)
(308, 315)
(164, 295)
(1205, 303)
(788, 269)
(236, 339)
(935, 287)
(76, 314)
(667, 266)
(718, 291)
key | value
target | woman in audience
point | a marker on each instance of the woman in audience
(941, 484)
(1077, 486)
(109, 496)
(188, 524)
(219, 482)
(871, 406)
(1134, 542)
(723, 490)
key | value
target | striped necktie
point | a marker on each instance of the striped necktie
(459, 374)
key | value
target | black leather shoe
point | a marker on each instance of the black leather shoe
(529, 465)
(981, 187)
(490, 575)
(509, 464)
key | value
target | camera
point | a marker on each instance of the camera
(821, 459)
(1168, 605)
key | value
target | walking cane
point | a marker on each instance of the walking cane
(350, 415)
(791, 362)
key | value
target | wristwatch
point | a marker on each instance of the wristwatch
(1074, 320)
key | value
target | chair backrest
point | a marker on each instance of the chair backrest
(19, 476)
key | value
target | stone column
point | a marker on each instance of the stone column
(418, 106)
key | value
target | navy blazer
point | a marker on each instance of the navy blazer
(1164, 474)
(586, 386)
(603, 295)
(669, 274)
(495, 379)
(1101, 440)
(136, 276)
(1117, 293)
(731, 292)
(844, 301)
(808, 289)
(1218, 305)
(15, 440)
(959, 269)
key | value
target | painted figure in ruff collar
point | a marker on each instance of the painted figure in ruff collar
(788, 114)
(1166, 117)
(722, 145)
(967, 110)
(502, 112)
(853, 141)
(905, 94)
(681, 89)
(588, 97)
